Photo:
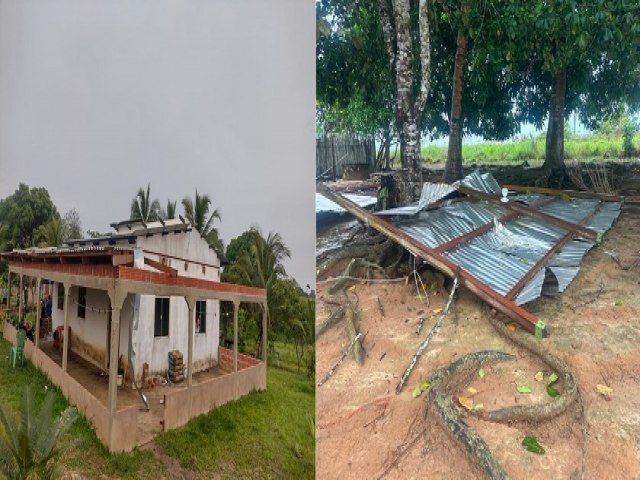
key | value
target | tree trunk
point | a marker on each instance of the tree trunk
(453, 168)
(554, 151)
(396, 27)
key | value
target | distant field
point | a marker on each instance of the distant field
(531, 149)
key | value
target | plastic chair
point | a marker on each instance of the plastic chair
(59, 338)
(18, 349)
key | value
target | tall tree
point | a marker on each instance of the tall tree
(171, 210)
(411, 71)
(21, 214)
(570, 47)
(197, 211)
(260, 266)
(143, 208)
(53, 233)
(73, 224)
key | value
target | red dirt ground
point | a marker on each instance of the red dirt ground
(365, 430)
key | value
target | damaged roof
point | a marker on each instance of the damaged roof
(520, 246)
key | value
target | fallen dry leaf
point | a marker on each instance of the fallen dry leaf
(539, 376)
(466, 402)
(604, 390)
(512, 326)
(472, 390)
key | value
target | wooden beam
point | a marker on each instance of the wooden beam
(159, 266)
(573, 193)
(543, 261)
(444, 264)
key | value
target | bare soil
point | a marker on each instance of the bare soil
(365, 430)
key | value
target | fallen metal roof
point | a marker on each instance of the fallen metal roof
(510, 251)
(324, 205)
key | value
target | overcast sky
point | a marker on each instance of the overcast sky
(101, 97)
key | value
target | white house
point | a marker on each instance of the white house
(156, 325)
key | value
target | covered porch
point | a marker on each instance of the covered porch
(112, 409)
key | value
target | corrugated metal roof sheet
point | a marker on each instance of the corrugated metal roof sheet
(324, 205)
(431, 192)
(502, 256)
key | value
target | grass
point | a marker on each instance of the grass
(266, 434)
(532, 148)
(262, 435)
(89, 457)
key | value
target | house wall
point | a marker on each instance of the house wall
(153, 350)
(89, 334)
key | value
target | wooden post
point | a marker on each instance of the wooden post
(20, 301)
(65, 334)
(114, 348)
(8, 289)
(264, 332)
(191, 326)
(38, 310)
(236, 306)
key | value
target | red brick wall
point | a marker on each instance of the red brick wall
(244, 361)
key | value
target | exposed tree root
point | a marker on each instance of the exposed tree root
(329, 322)
(447, 380)
(352, 316)
(540, 411)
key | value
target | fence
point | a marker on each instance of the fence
(334, 152)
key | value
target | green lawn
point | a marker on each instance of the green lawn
(531, 149)
(263, 435)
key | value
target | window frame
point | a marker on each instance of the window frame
(82, 302)
(201, 309)
(160, 323)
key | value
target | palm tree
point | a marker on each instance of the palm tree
(28, 448)
(261, 266)
(197, 212)
(53, 233)
(142, 208)
(171, 210)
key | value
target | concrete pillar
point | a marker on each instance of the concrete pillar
(236, 307)
(191, 303)
(264, 332)
(65, 334)
(38, 310)
(114, 348)
(8, 289)
(21, 300)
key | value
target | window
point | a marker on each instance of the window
(82, 301)
(161, 327)
(60, 296)
(201, 316)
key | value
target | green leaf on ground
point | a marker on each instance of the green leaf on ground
(552, 391)
(553, 378)
(481, 373)
(532, 445)
(416, 392)
(424, 385)
(523, 389)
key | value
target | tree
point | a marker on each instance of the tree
(411, 88)
(21, 214)
(171, 210)
(73, 224)
(260, 266)
(143, 208)
(578, 55)
(354, 89)
(29, 448)
(198, 213)
(53, 233)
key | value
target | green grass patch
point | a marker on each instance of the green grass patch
(268, 434)
(89, 457)
(532, 149)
